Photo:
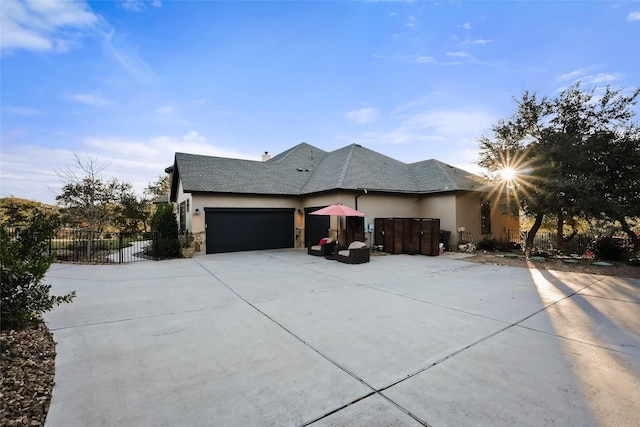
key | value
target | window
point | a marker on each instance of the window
(485, 217)
(183, 217)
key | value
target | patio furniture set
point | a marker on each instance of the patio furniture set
(356, 253)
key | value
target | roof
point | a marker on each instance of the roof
(305, 169)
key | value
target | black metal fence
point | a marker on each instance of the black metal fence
(545, 241)
(86, 247)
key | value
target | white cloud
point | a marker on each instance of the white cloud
(477, 41)
(138, 5)
(28, 170)
(128, 57)
(602, 78)
(466, 25)
(93, 99)
(411, 22)
(458, 54)
(425, 60)
(590, 79)
(40, 25)
(23, 111)
(572, 75)
(364, 115)
(633, 16)
(133, 5)
(167, 109)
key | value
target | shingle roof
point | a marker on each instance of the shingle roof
(305, 169)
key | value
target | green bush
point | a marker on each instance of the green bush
(494, 244)
(164, 222)
(610, 249)
(25, 260)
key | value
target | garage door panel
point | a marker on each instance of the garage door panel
(230, 230)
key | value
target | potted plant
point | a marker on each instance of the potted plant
(463, 245)
(186, 241)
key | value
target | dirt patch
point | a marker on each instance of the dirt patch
(576, 265)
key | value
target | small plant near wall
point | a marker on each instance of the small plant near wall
(186, 244)
(186, 240)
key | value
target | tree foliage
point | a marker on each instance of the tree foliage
(576, 154)
(15, 211)
(96, 204)
(25, 261)
(165, 223)
(158, 188)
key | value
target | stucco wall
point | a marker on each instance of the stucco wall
(453, 210)
(468, 216)
(502, 223)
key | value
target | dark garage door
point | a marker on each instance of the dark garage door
(316, 227)
(235, 229)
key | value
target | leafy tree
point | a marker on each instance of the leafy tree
(612, 178)
(88, 200)
(596, 149)
(575, 154)
(515, 146)
(15, 211)
(25, 261)
(130, 213)
(165, 223)
(160, 187)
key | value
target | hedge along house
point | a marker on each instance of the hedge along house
(233, 204)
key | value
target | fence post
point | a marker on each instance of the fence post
(120, 245)
(156, 242)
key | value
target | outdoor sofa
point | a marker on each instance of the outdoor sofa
(356, 253)
(324, 247)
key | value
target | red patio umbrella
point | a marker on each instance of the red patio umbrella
(338, 209)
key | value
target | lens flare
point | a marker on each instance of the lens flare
(508, 174)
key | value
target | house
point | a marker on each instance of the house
(233, 204)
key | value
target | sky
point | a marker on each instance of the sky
(129, 83)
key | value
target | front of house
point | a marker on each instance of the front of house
(233, 205)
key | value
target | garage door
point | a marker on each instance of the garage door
(235, 229)
(316, 227)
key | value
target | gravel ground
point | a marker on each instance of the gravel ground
(619, 269)
(28, 355)
(28, 367)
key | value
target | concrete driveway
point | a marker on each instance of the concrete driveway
(280, 338)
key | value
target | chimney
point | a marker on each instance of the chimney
(266, 156)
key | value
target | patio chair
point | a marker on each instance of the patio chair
(355, 253)
(324, 247)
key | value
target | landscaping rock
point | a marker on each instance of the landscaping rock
(27, 375)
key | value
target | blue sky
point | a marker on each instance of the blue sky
(132, 82)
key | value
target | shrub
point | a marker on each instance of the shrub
(493, 244)
(165, 223)
(25, 260)
(609, 248)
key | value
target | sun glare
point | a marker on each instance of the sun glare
(507, 174)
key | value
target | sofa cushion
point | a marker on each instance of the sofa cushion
(356, 245)
(322, 242)
(343, 253)
(316, 247)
